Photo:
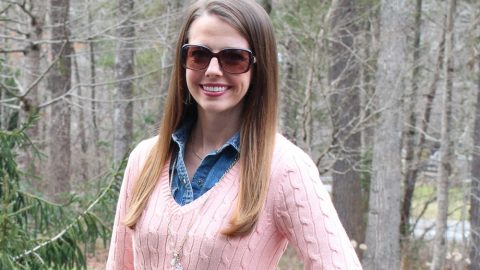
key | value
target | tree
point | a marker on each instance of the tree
(27, 31)
(421, 154)
(35, 233)
(475, 189)
(33, 61)
(124, 71)
(446, 149)
(299, 30)
(411, 162)
(382, 236)
(59, 83)
(345, 113)
(290, 95)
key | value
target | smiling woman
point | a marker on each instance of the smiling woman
(216, 89)
(219, 188)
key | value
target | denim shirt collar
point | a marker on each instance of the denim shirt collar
(180, 137)
(210, 171)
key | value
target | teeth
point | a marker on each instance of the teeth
(214, 88)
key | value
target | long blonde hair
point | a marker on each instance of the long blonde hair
(259, 119)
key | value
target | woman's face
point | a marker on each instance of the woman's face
(215, 90)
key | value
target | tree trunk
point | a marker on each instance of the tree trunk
(290, 98)
(383, 235)
(84, 169)
(307, 127)
(411, 144)
(475, 189)
(93, 81)
(370, 30)
(59, 83)
(345, 112)
(124, 71)
(421, 155)
(446, 149)
(173, 7)
(410, 131)
(33, 70)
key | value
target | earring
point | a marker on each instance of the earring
(188, 100)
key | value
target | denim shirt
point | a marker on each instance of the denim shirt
(210, 171)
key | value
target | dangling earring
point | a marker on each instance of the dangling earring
(188, 100)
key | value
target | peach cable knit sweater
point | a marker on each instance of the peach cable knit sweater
(298, 210)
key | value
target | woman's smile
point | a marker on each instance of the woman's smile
(214, 88)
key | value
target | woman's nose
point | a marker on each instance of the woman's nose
(214, 68)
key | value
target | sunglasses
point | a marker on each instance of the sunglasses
(231, 60)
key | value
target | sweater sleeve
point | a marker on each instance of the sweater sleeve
(120, 255)
(305, 214)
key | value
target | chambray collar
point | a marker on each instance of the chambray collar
(180, 137)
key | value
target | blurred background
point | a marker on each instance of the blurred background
(383, 95)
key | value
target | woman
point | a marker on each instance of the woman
(218, 188)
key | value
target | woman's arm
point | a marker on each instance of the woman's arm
(120, 255)
(306, 216)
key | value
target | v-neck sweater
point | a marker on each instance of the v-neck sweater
(297, 210)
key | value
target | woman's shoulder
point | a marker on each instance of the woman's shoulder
(293, 174)
(147, 143)
(290, 164)
(143, 148)
(288, 155)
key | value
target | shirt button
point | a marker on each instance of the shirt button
(201, 182)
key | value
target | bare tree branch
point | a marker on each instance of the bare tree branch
(13, 38)
(15, 30)
(7, 89)
(45, 72)
(69, 92)
(5, 9)
(424, 209)
(5, 51)
(23, 6)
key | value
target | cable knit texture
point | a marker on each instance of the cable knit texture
(298, 210)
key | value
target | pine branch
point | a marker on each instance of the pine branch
(76, 222)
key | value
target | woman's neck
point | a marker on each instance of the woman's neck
(211, 131)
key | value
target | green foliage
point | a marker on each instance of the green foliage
(103, 143)
(147, 59)
(107, 56)
(367, 3)
(426, 192)
(366, 170)
(7, 82)
(37, 234)
(149, 119)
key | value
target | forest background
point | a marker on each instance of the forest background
(383, 94)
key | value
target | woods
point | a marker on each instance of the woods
(384, 203)
(383, 94)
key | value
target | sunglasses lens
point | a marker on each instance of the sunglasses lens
(197, 58)
(234, 60)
